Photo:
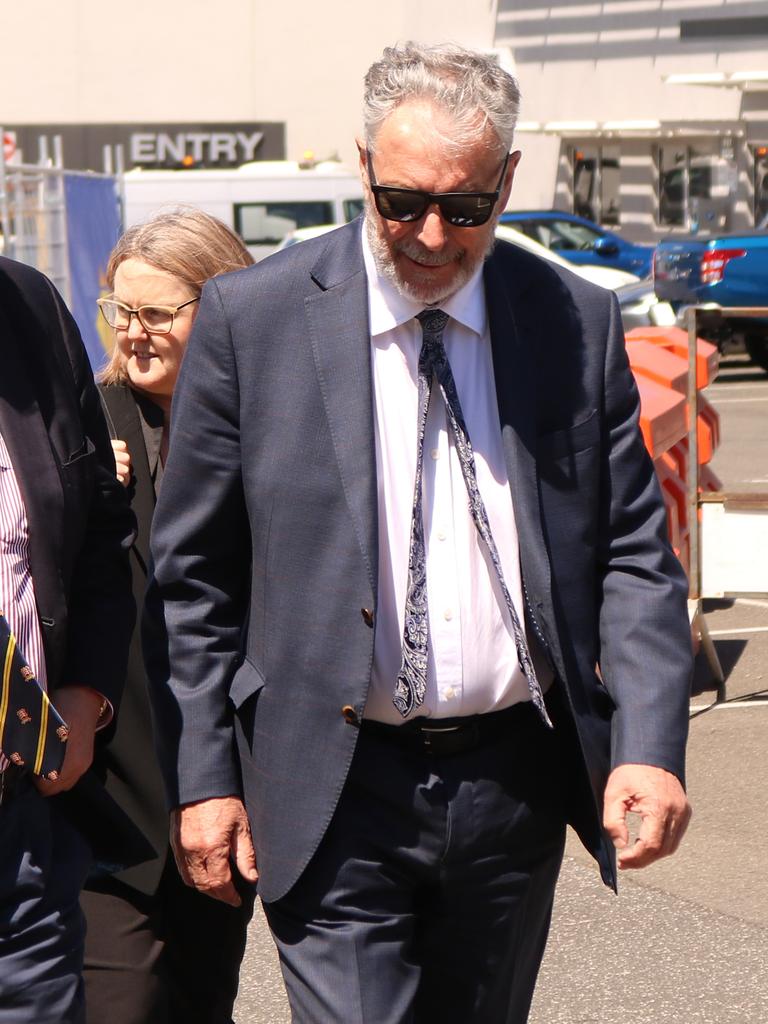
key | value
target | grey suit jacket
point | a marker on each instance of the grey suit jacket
(265, 540)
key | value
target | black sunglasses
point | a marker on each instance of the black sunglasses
(462, 209)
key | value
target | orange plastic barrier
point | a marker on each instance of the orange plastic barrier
(675, 499)
(658, 357)
(708, 430)
(663, 419)
(674, 339)
(657, 363)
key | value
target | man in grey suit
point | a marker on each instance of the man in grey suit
(401, 694)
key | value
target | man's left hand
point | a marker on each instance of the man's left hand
(80, 707)
(660, 800)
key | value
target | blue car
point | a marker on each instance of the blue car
(580, 240)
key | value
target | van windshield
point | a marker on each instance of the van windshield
(352, 208)
(268, 223)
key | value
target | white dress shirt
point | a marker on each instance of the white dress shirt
(472, 665)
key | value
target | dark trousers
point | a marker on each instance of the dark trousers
(429, 898)
(168, 958)
(43, 863)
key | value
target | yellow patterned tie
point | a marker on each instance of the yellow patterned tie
(32, 733)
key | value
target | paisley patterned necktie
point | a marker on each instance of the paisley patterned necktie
(32, 733)
(412, 678)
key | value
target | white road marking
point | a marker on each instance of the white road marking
(739, 401)
(730, 704)
(745, 629)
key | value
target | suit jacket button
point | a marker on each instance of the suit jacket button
(350, 715)
(367, 616)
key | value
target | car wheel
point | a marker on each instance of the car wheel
(757, 347)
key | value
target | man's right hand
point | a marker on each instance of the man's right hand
(204, 836)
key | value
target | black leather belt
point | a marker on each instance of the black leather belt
(445, 736)
(10, 783)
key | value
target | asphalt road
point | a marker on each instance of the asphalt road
(686, 941)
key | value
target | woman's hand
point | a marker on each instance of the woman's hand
(122, 462)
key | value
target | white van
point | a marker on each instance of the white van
(262, 201)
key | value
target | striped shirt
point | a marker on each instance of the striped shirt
(17, 591)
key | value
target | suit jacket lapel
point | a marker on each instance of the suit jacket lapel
(125, 424)
(516, 397)
(337, 318)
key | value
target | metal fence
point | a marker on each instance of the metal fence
(33, 220)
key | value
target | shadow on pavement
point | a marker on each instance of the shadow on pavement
(728, 651)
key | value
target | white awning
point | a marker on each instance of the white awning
(746, 81)
(634, 129)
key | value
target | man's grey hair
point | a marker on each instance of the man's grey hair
(470, 87)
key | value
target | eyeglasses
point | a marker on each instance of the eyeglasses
(462, 209)
(154, 319)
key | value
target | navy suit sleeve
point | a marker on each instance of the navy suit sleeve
(197, 600)
(645, 644)
(101, 610)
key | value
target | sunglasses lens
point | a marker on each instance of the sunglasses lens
(467, 211)
(403, 205)
(399, 204)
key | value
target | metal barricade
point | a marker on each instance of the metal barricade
(33, 213)
(729, 532)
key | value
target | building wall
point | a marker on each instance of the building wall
(606, 61)
(233, 60)
(302, 65)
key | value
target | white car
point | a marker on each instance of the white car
(304, 234)
(608, 277)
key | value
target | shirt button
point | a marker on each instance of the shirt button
(448, 614)
(441, 534)
(435, 453)
(450, 693)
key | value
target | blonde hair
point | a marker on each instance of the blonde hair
(188, 244)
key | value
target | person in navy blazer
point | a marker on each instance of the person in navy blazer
(79, 529)
(262, 618)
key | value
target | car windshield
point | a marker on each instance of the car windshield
(563, 234)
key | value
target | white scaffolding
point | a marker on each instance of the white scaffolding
(33, 217)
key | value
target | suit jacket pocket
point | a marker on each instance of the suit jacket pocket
(78, 474)
(569, 441)
(246, 682)
(86, 448)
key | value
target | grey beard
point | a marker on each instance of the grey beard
(428, 294)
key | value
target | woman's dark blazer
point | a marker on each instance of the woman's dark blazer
(127, 760)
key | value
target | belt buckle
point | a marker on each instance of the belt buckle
(450, 740)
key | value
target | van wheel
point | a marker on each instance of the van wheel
(757, 347)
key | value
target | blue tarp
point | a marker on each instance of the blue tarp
(93, 227)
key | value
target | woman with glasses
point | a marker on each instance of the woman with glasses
(156, 950)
